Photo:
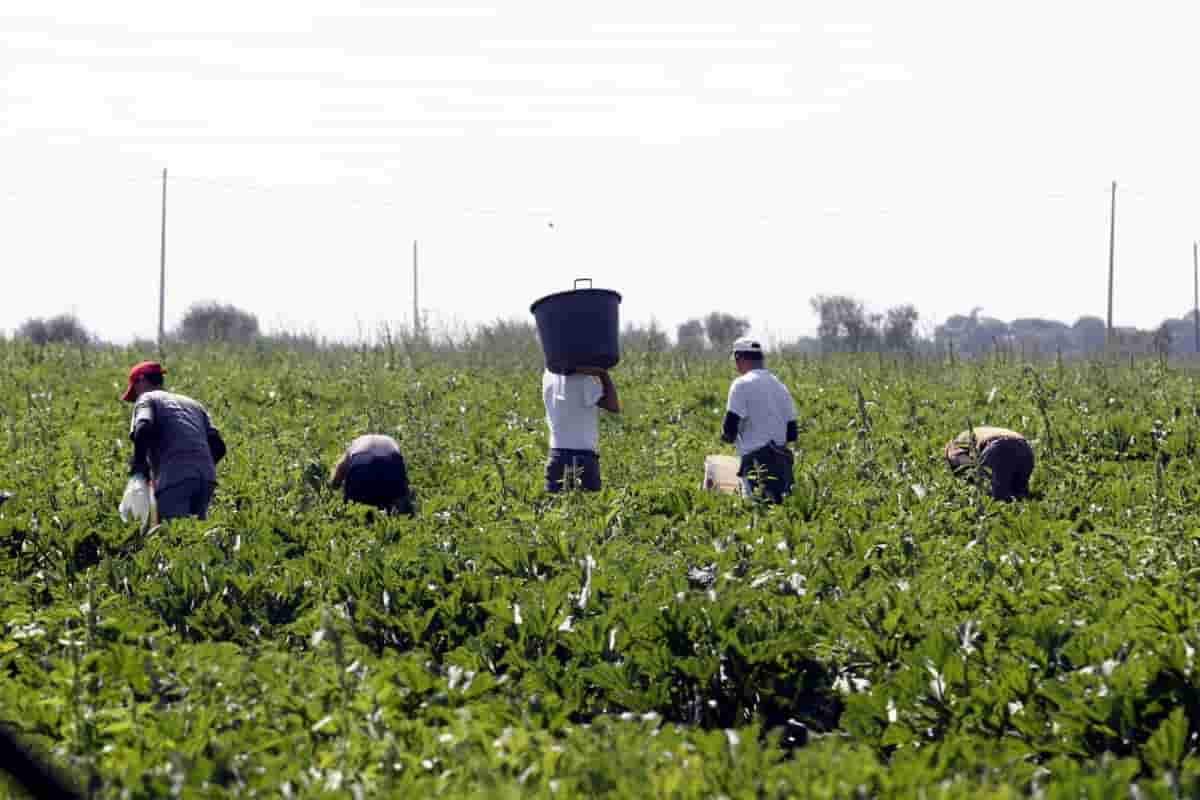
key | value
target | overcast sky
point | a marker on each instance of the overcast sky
(693, 156)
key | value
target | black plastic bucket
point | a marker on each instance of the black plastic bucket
(579, 328)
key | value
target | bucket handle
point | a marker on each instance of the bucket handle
(589, 280)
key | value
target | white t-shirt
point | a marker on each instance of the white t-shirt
(571, 410)
(765, 406)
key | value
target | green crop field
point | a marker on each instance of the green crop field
(886, 632)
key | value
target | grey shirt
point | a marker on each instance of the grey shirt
(180, 429)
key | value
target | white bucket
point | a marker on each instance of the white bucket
(721, 474)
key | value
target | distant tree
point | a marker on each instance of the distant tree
(972, 333)
(804, 345)
(213, 322)
(1183, 334)
(724, 329)
(648, 338)
(1180, 334)
(843, 323)
(988, 333)
(900, 328)
(1089, 334)
(690, 335)
(1132, 340)
(1162, 340)
(1035, 326)
(1046, 335)
(955, 329)
(65, 328)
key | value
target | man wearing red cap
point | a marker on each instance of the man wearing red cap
(174, 442)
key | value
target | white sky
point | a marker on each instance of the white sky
(693, 156)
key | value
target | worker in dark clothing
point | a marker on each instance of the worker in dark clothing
(760, 419)
(174, 444)
(372, 471)
(1004, 455)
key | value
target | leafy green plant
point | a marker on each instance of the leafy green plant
(886, 631)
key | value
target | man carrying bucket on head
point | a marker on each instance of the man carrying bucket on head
(571, 403)
(760, 419)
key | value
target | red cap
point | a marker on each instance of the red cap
(141, 370)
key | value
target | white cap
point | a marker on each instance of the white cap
(747, 346)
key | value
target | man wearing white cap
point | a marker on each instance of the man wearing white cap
(760, 420)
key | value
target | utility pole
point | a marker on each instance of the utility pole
(162, 265)
(1196, 295)
(416, 304)
(1112, 238)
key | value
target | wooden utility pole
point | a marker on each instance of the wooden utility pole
(1112, 238)
(162, 265)
(1196, 295)
(416, 304)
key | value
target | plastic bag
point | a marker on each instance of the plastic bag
(137, 500)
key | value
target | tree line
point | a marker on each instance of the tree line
(202, 322)
(844, 325)
(974, 333)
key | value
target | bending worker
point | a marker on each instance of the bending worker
(760, 419)
(372, 471)
(571, 402)
(1004, 454)
(174, 443)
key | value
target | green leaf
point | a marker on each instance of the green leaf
(1167, 746)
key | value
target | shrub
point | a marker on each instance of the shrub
(690, 335)
(650, 338)
(213, 322)
(65, 328)
(724, 329)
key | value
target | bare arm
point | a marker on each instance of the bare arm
(339, 470)
(609, 400)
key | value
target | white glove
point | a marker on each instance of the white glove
(136, 501)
